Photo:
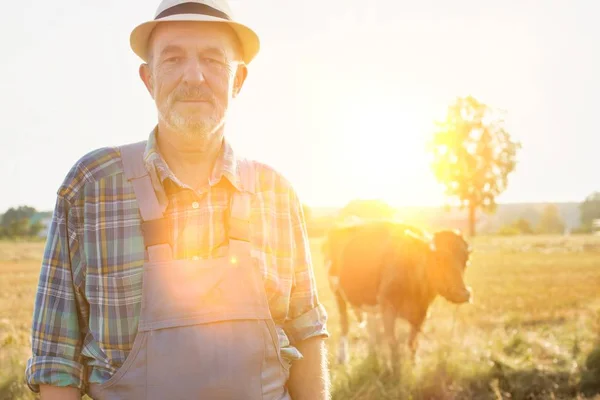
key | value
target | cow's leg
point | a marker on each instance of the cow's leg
(334, 282)
(388, 314)
(360, 317)
(343, 344)
(379, 337)
(413, 341)
(388, 311)
(372, 323)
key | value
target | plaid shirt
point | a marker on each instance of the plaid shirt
(89, 294)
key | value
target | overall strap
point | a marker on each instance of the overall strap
(155, 227)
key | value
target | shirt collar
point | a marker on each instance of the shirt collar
(226, 164)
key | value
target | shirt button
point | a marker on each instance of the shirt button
(195, 204)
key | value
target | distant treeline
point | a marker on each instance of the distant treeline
(525, 220)
(27, 222)
(23, 222)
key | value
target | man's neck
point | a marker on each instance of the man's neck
(190, 159)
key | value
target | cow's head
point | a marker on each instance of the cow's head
(450, 257)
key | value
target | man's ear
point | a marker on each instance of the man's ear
(146, 76)
(240, 77)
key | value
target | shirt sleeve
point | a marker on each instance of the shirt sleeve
(307, 317)
(55, 336)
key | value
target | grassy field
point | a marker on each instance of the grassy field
(534, 322)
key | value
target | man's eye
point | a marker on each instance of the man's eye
(214, 61)
(172, 60)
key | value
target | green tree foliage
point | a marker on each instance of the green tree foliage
(551, 220)
(16, 221)
(523, 226)
(590, 210)
(520, 227)
(508, 230)
(35, 228)
(473, 155)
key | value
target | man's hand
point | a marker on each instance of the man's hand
(59, 393)
(309, 377)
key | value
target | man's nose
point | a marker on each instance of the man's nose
(194, 73)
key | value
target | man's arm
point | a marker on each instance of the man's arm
(59, 393)
(306, 327)
(309, 377)
(55, 335)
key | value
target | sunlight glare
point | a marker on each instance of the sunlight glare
(382, 151)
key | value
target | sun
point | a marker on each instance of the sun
(382, 154)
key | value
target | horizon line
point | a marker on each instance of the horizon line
(313, 206)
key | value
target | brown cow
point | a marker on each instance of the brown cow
(397, 271)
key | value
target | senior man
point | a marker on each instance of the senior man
(175, 268)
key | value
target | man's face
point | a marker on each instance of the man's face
(193, 73)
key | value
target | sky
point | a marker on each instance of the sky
(341, 99)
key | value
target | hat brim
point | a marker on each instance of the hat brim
(140, 35)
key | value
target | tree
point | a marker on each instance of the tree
(590, 210)
(551, 221)
(35, 228)
(473, 155)
(523, 226)
(519, 227)
(16, 221)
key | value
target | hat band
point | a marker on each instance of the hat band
(193, 8)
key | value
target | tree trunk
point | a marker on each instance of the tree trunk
(472, 210)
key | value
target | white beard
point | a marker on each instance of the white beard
(187, 125)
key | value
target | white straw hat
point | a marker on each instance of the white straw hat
(194, 10)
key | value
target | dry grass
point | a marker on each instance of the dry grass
(535, 319)
(19, 268)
